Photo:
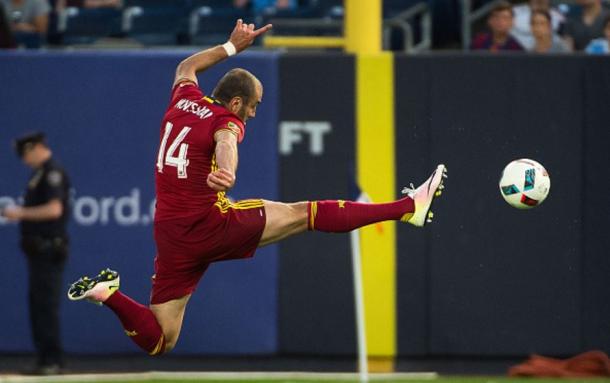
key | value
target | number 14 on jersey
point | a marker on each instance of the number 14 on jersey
(169, 158)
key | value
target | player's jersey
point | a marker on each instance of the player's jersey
(186, 153)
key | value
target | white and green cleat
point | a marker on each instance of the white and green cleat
(95, 290)
(424, 196)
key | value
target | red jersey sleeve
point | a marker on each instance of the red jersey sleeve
(230, 123)
(187, 90)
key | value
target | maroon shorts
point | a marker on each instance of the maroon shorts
(187, 246)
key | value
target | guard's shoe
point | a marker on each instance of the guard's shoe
(44, 369)
(423, 197)
(95, 290)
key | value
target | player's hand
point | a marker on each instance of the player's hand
(221, 180)
(12, 213)
(243, 35)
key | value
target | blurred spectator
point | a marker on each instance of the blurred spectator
(29, 20)
(500, 22)
(61, 4)
(581, 29)
(522, 23)
(545, 41)
(262, 6)
(6, 36)
(601, 45)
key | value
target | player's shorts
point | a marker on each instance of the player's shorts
(187, 246)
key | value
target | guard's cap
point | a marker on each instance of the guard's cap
(27, 142)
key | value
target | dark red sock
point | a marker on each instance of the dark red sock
(139, 323)
(341, 216)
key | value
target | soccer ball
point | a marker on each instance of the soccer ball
(524, 183)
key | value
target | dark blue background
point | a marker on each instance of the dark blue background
(101, 112)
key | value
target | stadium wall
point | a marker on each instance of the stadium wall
(316, 294)
(490, 279)
(595, 207)
(484, 279)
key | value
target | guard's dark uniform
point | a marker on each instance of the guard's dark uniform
(45, 244)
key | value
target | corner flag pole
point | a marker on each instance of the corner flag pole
(359, 303)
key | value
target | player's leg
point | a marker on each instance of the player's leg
(155, 329)
(337, 216)
(283, 220)
(331, 216)
(170, 316)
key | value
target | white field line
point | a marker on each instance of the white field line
(161, 375)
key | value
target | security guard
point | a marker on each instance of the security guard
(44, 241)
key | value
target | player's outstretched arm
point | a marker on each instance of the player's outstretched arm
(242, 37)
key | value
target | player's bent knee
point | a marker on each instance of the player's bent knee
(169, 315)
(171, 333)
(298, 216)
(169, 346)
(299, 211)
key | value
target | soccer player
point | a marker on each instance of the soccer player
(196, 224)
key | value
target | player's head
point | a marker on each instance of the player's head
(32, 149)
(240, 92)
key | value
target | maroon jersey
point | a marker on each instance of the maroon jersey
(186, 153)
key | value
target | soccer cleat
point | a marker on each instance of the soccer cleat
(423, 197)
(95, 290)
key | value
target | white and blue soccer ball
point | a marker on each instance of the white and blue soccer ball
(524, 183)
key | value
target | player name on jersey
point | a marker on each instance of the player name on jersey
(202, 112)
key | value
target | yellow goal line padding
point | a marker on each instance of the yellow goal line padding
(303, 42)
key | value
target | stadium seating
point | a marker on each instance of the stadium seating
(210, 21)
(83, 26)
(407, 23)
(155, 22)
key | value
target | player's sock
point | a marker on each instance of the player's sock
(139, 323)
(341, 216)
